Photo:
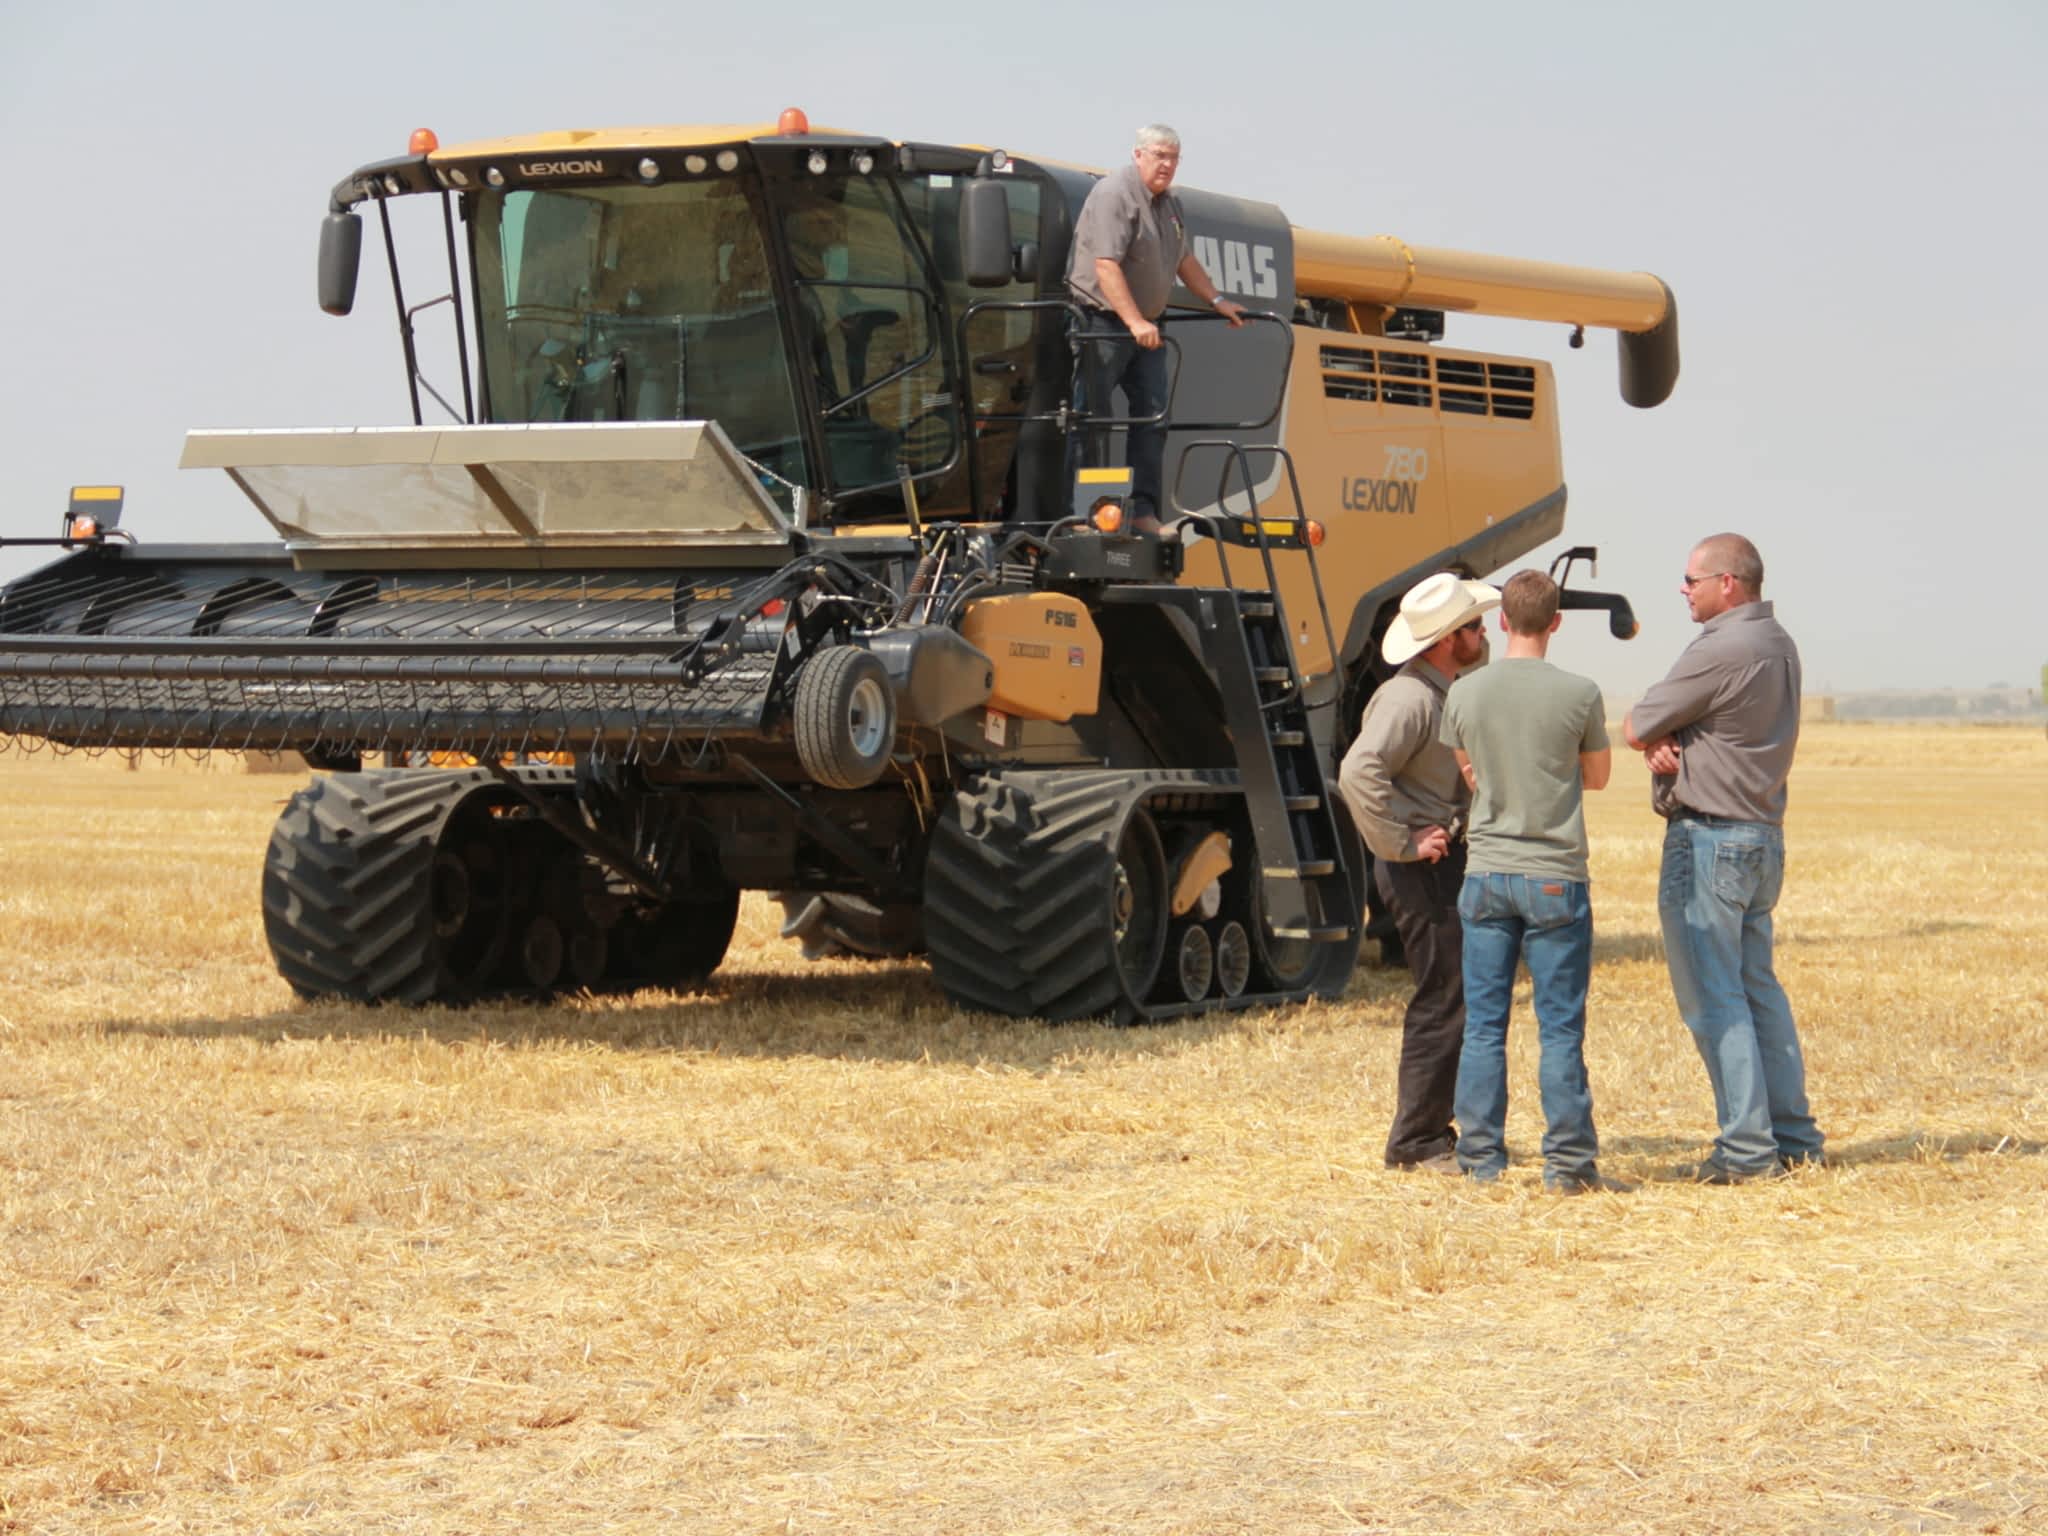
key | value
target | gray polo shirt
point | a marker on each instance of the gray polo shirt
(1732, 700)
(1145, 235)
(1398, 778)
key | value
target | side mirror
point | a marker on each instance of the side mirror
(984, 232)
(1025, 267)
(341, 253)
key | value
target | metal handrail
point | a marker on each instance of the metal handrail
(1239, 456)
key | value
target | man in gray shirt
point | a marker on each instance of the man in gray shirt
(1130, 244)
(1718, 733)
(1408, 801)
(1529, 737)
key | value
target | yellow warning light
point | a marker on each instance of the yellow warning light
(1107, 515)
(93, 511)
(793, 120)
(423, 142)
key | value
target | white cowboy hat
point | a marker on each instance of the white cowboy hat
(1431, 610)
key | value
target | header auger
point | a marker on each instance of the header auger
(751, 559)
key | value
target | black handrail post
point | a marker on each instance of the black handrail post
(412, 362)
(455, 289)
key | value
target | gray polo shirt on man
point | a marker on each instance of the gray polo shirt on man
(1145, 235)
(1522, 723)
(1398, 778)
(1732, 700)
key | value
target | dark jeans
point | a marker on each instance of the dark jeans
(1107, 366)
(1425, 902)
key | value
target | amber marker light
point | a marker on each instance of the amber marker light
(1106, 515)
(423, 142)
(1314, 535)
(83, 528)
(793, 120)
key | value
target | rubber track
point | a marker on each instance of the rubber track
(346, 883)
(1017, 886)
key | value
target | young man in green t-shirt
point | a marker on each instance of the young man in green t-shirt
(1530, 738)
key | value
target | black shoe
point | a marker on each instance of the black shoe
(1804, 1160)
(1443, 1162)
(1586, 1184)
(1712, 1172)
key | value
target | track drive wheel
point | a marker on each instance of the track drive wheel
(1046, 895)
(1294, 965)
(677, 944)
(845, 717)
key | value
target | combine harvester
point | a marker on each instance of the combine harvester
(750, 560)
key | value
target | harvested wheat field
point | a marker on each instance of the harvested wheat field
(812, 1252)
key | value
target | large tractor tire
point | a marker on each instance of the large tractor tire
(1046, 896)
(831, 924)
(416, 886)
(388, 886)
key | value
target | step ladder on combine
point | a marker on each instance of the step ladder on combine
(1303, 872)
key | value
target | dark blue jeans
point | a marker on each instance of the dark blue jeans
(1550, 924)
(1715, 893)
(1121, 364)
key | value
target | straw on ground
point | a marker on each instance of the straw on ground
(812, 1251)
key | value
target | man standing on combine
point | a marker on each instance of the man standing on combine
(1531, 738)
(1408, 801)
(1130, 244)
(1718, 733)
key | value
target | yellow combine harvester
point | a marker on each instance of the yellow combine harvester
(753, 508)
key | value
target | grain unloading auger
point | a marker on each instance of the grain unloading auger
(752, 560)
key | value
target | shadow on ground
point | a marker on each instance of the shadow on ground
(1931, 1148)
(880, 1011)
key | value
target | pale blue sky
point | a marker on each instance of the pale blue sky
(1847, 199)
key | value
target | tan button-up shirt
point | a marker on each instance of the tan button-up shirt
(1398, 779)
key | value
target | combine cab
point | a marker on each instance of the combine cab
(751, 558)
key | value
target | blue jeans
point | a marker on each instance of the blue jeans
(1107, 366)
(1550, 924)
(1714, 895)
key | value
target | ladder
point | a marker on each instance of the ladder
(1304, 881)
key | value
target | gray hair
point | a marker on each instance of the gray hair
(1157, 136)
(1738, 557)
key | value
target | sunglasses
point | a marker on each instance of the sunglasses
(1472, 628)
(1693, 581)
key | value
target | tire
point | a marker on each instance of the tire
(829, 924)
(675, 945)
(1294, 965)
(845, 717)
(405, 886)
(364, 897)
(1045, 896)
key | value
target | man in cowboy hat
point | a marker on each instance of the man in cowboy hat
(1718, 733)
(1408, 801)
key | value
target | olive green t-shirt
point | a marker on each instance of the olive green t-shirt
(1523, 724)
